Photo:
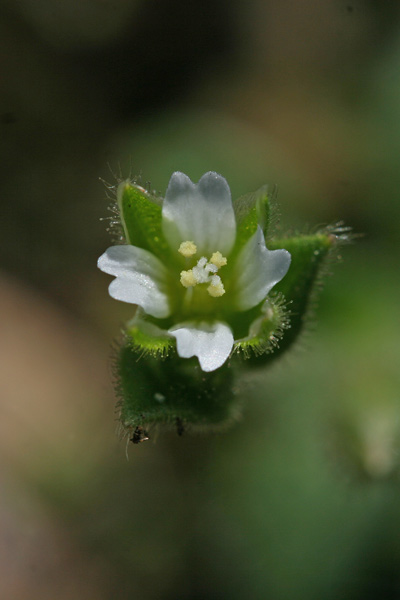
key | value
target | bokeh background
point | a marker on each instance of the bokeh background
(299, 500)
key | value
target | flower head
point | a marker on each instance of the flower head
(199, 275)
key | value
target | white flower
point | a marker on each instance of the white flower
(206, 281)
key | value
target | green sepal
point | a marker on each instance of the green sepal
(266, 330)
(173, 391)
(309, 255)
(140, 214)
(148, 339)
(251, 210)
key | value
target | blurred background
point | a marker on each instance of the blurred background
(301, 498)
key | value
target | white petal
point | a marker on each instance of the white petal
(140, 278)
(201, 213)
(211, 343)
(257, 270)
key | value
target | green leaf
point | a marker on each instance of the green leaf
(251, 210)
(141, 218)
(173, 391)
(299, 287)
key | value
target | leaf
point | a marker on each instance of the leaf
(172, 391)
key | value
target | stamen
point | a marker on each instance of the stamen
(216, 289)
(204, 272)
(187, 249)
(188, 279)
(218, 260)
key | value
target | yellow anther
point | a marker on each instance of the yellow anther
(187, 249)
(218, 260)
(188, 279)
(203, 272)
(216, 289)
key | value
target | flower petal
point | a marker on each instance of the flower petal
(140, 278)
(258, 270)
(201, 213)
(211, 343)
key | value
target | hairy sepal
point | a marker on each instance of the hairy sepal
(266, 330)
(301, 284)
(251, 210)
(146, 339)
(140, 214)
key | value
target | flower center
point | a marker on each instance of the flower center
(204, 271)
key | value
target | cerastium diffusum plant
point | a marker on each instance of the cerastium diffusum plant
(209, 298)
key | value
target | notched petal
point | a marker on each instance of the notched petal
(257, 270)
(211, 343)
(200, 212)
(140, 278)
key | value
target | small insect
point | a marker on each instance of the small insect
(139, 435)
(180, 428)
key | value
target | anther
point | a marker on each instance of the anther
(216, 289)
(188, 279)
(204, 271)
(218, 260)
(187, 249)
